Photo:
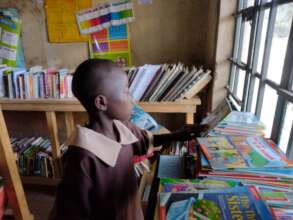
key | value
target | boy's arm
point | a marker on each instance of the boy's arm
(186, 133)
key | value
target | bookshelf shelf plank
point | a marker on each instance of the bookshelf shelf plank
(72, 105)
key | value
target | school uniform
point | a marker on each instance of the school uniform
(99, 180)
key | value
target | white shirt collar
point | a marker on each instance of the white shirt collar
(101, 146)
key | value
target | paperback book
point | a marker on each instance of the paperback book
(231, 203)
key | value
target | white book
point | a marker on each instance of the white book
(139, 74)
(15, 73)
(144, 81)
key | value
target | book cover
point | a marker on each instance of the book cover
(189, 185)
(226, 204)
(240, 152)
(184, 87)
(144, 80)
(197, 86)
(155, 83)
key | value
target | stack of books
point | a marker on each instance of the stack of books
(228, 203)
(241, 176)
(35, 83)
(239, 123)
(34, 156)
(252, 161)
(166, 82)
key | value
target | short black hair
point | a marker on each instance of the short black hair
(85, 82)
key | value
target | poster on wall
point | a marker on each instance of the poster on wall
(10, 47)
(105, 15)
(112, 43)
(61, 20)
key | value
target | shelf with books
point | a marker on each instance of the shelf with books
(187, 106)
(68, 107)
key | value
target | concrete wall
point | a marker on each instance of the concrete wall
(173, 30)
(165, 31)
(224, 48)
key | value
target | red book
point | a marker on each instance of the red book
(1, 201)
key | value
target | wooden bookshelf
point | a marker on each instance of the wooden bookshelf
(69, 106)
(9, 171)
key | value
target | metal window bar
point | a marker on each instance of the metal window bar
(263, 6)
(235, 46)
(289, 152)
(242, 4)
(281, 104)
(266, 57)
(259, 27)
(250, 57)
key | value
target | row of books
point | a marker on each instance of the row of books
(34, 156)
(166, 82)
(35, 83)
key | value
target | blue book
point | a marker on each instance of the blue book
(231, 203)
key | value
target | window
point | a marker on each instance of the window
(261, 75)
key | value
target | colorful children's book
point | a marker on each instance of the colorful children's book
(276, 198)
(232, 203)
(241, 152)
(193, 185)
(239, 123)
(143, 120)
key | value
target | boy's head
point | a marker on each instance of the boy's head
(102, 88)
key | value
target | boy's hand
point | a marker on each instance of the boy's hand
(188, 132)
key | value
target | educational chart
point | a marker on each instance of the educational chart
(61, 21)
(9, 38)
(104, 15)
(112, 43)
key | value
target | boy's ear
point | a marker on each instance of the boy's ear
(101, 102)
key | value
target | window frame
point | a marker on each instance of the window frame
(255, 15)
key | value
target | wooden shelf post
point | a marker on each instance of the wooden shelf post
(189, 118)
(9, 171)
(53, 130)
(69, 123)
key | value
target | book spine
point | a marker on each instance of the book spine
(10, 87)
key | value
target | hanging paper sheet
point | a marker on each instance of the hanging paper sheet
(9, 39)
(61, 21)
(104, 15)
(113, 44)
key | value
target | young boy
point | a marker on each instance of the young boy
(99, 180)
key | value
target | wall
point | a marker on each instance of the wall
(224, 48)
(165, 31)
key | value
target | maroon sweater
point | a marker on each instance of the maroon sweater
(96, 185)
